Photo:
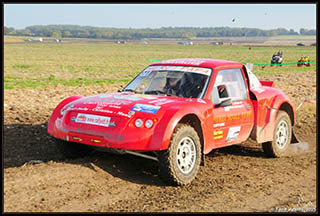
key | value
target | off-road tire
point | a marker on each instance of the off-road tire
(276, 148)
(168, 159)
(71, 150)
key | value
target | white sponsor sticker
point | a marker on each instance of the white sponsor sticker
(233, 133)
(200, 70)
(93, 119)
(233, 107)
(219, 125)
(185, 61)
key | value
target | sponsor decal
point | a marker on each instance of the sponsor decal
(144, 96)
(219, 125)
(236, 102)
(159, 102)
(233, 133)
(185, 61)
(116, 107)
(97, 109)
(200, 70)
(217, 134)
(218, 137)
(145, 108)
(123, 114)
(93, 119)
(233, 107)
(231, 117)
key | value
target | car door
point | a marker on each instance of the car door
(232, 120)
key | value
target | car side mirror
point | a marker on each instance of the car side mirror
(224, 103)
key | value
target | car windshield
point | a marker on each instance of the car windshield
(178, 81)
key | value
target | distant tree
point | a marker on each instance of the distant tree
(98, 35)
(66, 34)
(292, 32)
(307, 32)
(56, 34)
(8, 30)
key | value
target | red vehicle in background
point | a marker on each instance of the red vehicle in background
(175, 112)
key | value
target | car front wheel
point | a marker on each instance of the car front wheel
(179, 164)
(281, 136)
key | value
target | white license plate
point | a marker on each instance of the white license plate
(93, 119)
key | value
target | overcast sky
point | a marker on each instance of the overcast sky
(263, 16)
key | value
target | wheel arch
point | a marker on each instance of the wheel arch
(195, 122)
(288, 109)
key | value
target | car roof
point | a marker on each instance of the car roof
(199, 62)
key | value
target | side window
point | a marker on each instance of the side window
(229, 83)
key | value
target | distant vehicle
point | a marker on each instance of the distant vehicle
(28, 40)
(313, 44)
(37, 39)
(175, 112)
(304, 60)
(185, 42)
(300, 44)
(277, 58)
(120, 42)
(217, 43)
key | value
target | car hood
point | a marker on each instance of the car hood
(126, 104)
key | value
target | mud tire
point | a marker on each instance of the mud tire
(170, 168)
(71, 150)
(280, 148)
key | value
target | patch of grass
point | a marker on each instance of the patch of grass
(36, 65)
(21, 66)
(51, 81)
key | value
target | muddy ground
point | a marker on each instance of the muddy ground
(238, 178)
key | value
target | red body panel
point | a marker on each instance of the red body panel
(108, 120)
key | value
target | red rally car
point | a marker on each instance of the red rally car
(175, 112)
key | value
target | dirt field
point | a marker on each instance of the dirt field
(234, 179)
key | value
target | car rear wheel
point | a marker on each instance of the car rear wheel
(179, 164)
(72, 149)
(281, 137)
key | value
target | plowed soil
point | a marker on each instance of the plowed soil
(238, 178)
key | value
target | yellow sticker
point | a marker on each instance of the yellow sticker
(218, 132)
(218, 137)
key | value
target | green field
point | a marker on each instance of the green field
(42, 64)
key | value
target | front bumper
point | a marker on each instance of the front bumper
(128, 138)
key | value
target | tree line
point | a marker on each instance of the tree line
(77, 31)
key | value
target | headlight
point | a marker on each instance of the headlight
(148, 123)
(138, 123)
